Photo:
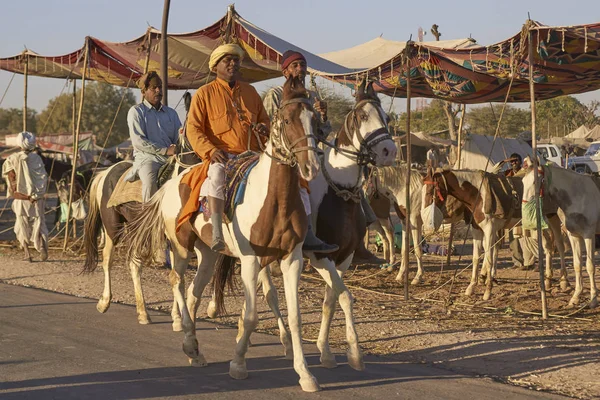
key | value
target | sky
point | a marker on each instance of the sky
(55, 27)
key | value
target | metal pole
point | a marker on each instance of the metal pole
(76, 140)
(25, 78)
(164, 64)
(536, 178)
(407, 230)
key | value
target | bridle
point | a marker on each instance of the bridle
(364, 155)
(436, 187)
(284, 151)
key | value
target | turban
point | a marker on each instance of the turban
(222, 51)
(289, 57)
(145, 79)
(26, 140)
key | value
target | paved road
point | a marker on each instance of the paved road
(54, 346)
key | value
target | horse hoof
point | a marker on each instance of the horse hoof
(355, 360)
(573, 303)
(211, 310)
(177, 326)
(329, 361)
(102, 305)
(237, 371)
(288, 351)
(593, 303)
(144, 319)
(564, 286)
(547, 283)
(487, 295)
(416, 281)
(309, 384)
(190, 347)
(200, 361)
(469, 291)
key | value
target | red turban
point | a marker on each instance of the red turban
(289, 57)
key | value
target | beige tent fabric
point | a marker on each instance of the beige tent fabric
(476, 148)
(579, 133)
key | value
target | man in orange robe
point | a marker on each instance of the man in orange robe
(220, 124)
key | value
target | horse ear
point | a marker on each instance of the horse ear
(429, 172)
(370, 91)
(361, 87)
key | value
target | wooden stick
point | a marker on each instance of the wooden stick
(536, 178)
(164, 64)
(460, 129)
(76, 140)
(408, 169)
(25, 79)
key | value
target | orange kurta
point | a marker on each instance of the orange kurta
(219, 118)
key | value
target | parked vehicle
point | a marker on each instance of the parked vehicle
(551, 152)
(589, 163)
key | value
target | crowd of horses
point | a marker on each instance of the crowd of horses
(269, 224)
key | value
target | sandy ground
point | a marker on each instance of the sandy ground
(498, 338)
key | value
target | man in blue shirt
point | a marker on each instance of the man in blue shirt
(154, 130)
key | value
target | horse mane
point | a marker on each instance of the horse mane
(394, 178)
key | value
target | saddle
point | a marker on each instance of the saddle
(502, 196)
(236, 176)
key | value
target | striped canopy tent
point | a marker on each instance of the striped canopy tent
(567, 61)
(123, 63)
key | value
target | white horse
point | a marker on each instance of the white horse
(577, 196)
(269, 225)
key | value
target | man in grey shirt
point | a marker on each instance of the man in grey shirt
(154, 131)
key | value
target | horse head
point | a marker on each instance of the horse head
(435, 188)
(292, 134)
(366, 129)
(529, 179)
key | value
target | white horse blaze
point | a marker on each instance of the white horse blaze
(311, 169)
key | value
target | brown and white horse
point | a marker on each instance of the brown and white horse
(577, 196)
(472, 189)
(268, 225)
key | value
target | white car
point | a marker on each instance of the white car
(589, 163)
(551, 152)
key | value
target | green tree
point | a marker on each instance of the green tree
(561, 115)
(431, 119)
(11, 120)
(338, 106)
(101, 104)
(483, 121)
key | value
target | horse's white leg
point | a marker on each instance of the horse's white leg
(477, 247)
(291, 267)
(548, 250)
(403, 266)
(576, 242)
(249, 272)
(107, 258)
(140, 302)
(590, 244)
(179, 262)
(489, 243)
(327, 357)
(416, 236)
(389, 243)
(206, 264)
(270, 293)
(554, 223)
(211, 309)
(176, 317)
(332, 277)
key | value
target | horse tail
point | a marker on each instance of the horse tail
(92, 227)
(144, 235)
(223, 275)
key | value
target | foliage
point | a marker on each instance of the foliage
(101, 103)
(431, 119)
(484, 120)
(561, 115)
(11, 120)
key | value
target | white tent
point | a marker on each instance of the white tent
(579, 133)
(476, 150)
(594, 133)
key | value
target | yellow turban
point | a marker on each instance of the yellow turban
(222, 51)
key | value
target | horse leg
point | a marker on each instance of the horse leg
(176, 317)
(140, 302)
(390, 244)
(249, 272)
(333, 278)
(477, 245)
(378, 227)
(590, 244)
(211, 309)
(576, 242)
(548, 250)
(403, 266)
(554, 223)
(107, 258)
(270, 293)
(416, 236)
(291, 267)
(490, 247)
(206, 263)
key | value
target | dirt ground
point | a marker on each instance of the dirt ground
(502, 338)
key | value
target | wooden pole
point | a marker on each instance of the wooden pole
(460, 130)
(407, 231)
(536, 179)
(164, 64)
(25, 79)
(74, 130)
(148, 51)
(76, 141)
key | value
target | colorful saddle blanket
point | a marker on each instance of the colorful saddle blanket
(236, 176)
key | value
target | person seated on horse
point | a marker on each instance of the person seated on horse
(294, 64)
(154, 131)
(225, 118)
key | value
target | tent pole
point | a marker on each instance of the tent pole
(149, 39)
(25, 79)
(74, 126)
(460, 130)
(164, 65)
(536, 178)
(76, 140)
(407, 230)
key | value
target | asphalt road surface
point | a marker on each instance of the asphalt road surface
(54, 346)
